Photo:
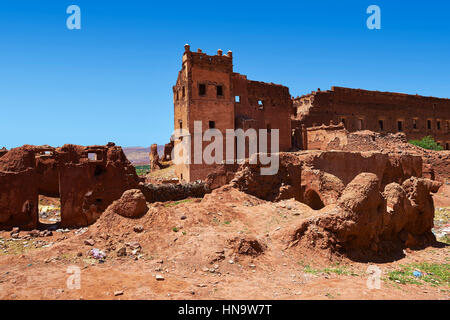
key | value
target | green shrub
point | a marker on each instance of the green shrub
(427, 143)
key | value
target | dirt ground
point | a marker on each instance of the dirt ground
(190, 249)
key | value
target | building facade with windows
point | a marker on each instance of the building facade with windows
(207, 90)
(416, 116)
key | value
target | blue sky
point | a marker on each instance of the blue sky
(112, 80)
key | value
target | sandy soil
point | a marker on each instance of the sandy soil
(192, 244)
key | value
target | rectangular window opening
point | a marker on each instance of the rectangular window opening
(381, 124)
(92, 156)
(429, 124)
(237, 99)
(400, 125)
(212, 124)
(219, 91)
(202, 89)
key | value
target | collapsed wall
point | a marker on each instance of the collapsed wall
(336, 137)
(364, 200)
(173, 191)
(86, 179)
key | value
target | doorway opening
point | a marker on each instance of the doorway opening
(49, 212)
(313, 200)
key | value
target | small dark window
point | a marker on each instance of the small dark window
(343, 121)
(202, 89)
(414, 123)
(400, 125)
(381, 124)
(176, 96)
(447, 146)
(180, 123)
(269, 128)
(429, 124)
(212, 124)
(260, 104)
(438, 125)
(219, 91)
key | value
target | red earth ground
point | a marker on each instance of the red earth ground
(194, 245)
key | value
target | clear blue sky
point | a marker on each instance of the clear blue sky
(112, 80)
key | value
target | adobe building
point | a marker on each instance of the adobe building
(416, 116)
(208, 90)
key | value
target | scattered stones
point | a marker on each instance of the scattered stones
(159, 277)
(118, 293)
(122, 252)
(89, 242)
(183, 217)
(138, 229)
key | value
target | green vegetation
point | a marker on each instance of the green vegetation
(434, 273)
(427, 143)
(175, 229)
(172, 204)
(142, 170)
(336, 269)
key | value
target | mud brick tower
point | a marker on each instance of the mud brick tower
(208, 90)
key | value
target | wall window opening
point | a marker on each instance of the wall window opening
(202, 89)
(219, 91)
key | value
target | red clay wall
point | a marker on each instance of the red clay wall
(363, 110)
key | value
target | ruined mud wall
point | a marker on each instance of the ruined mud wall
(415, 115)
(87, 180)
(263, 106)
(173, 192)
(363, 203)
(333, 137)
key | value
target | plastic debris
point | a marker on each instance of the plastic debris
(417, 274)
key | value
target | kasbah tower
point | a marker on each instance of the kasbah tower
(208, 90)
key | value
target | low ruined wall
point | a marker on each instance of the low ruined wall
(173, 191)
(87, 180)
(332, 137)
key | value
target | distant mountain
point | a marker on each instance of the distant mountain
(140, 155)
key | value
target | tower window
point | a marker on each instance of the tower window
(183, 92)
(237, 99)
(202, 89)
(400, 125)
(438, 125)
(429, 124)
(360, 124)
(219, 91)
(381, 124)
(414, 123)
(269, 128)
(212, 124)
(260, 104)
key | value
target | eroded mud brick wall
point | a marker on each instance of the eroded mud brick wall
(207, 90)
(416, 116)
(263, 106)
(87, 180)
